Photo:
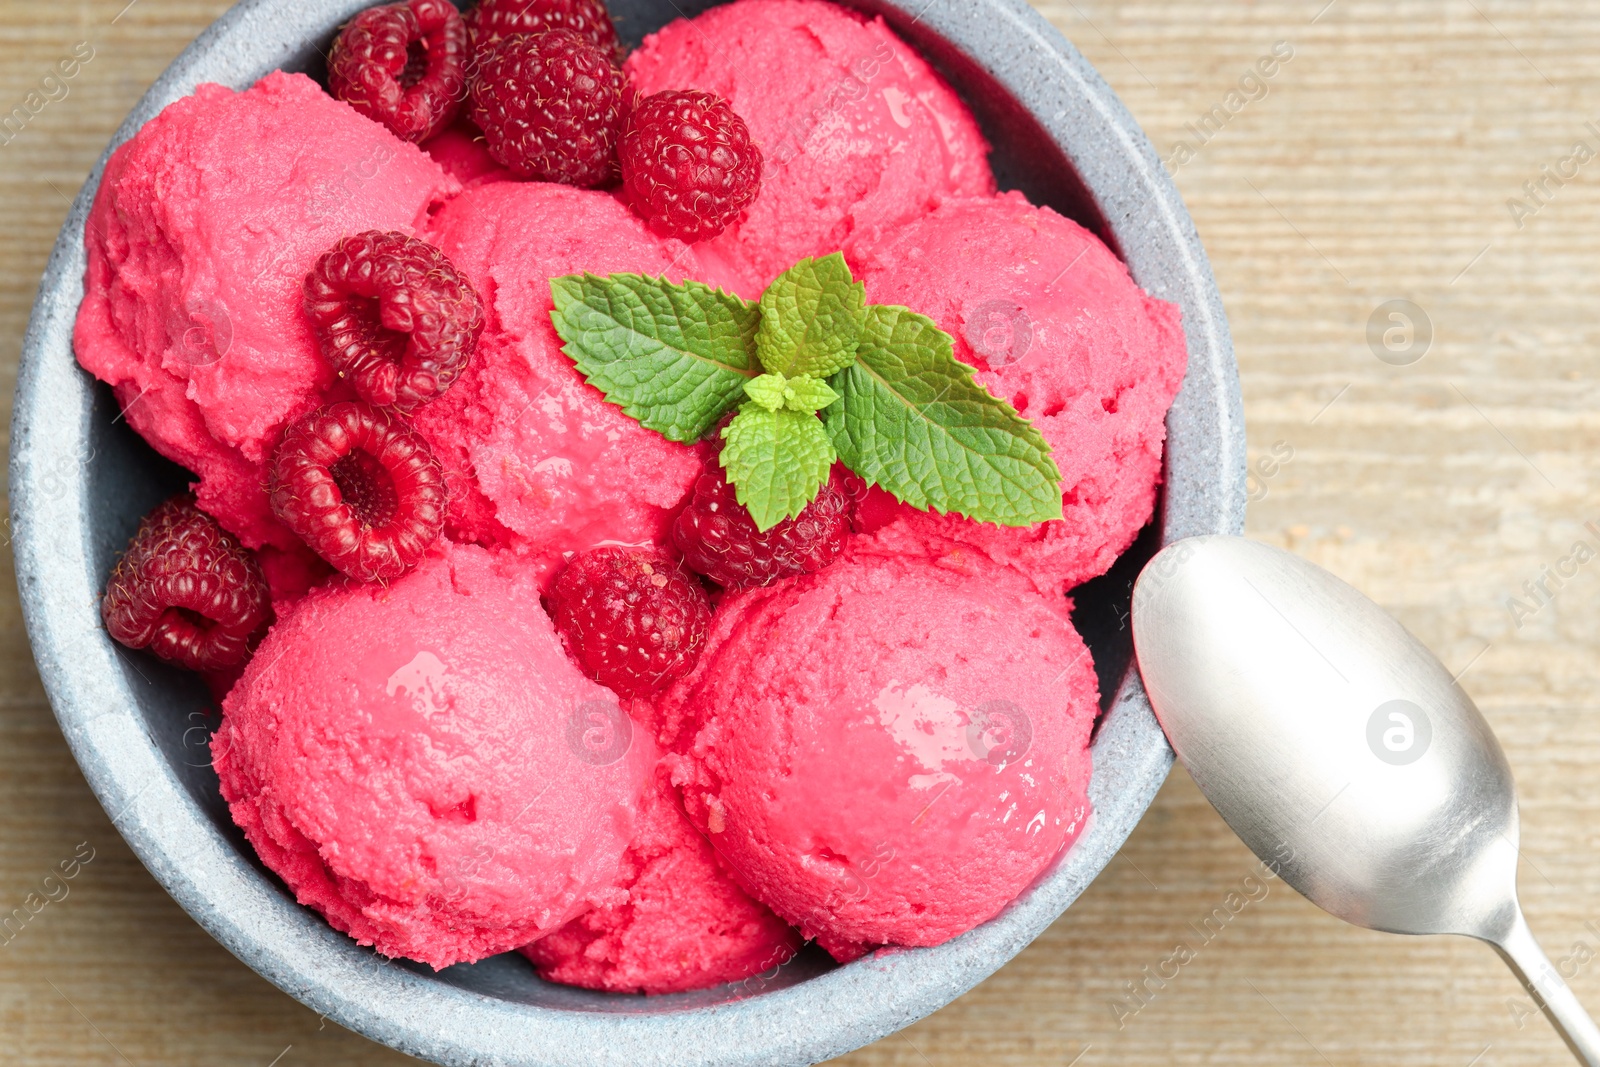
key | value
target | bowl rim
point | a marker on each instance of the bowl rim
(817, 1019)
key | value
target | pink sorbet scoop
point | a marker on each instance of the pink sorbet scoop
(887, 752)
(425, 766)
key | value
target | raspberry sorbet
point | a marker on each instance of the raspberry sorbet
(403, 757)
(887, 752)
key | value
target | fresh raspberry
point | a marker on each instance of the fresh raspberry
(394, 316)
(550, 106)
(187, 591)
(403, 65)
(688, 167)
(361, 488)
(631, 617)
(719, 539)
(493, 19)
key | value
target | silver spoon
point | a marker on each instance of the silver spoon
(1341, 751)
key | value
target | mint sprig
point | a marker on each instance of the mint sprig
(803, 393)
(896, 405)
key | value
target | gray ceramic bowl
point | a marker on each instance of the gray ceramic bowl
(80, 481)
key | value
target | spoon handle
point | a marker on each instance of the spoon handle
(1544, 983)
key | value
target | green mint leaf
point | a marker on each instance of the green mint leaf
(804, 393)
(766, 391)
(807, 394)
(912, 419)
(811, 319)
(674, 357)
(776, 460)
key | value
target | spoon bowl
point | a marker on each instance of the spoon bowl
(1341, 751)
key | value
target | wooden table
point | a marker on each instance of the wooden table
(1375, 165)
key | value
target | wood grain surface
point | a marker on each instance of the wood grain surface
(1379, 163)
